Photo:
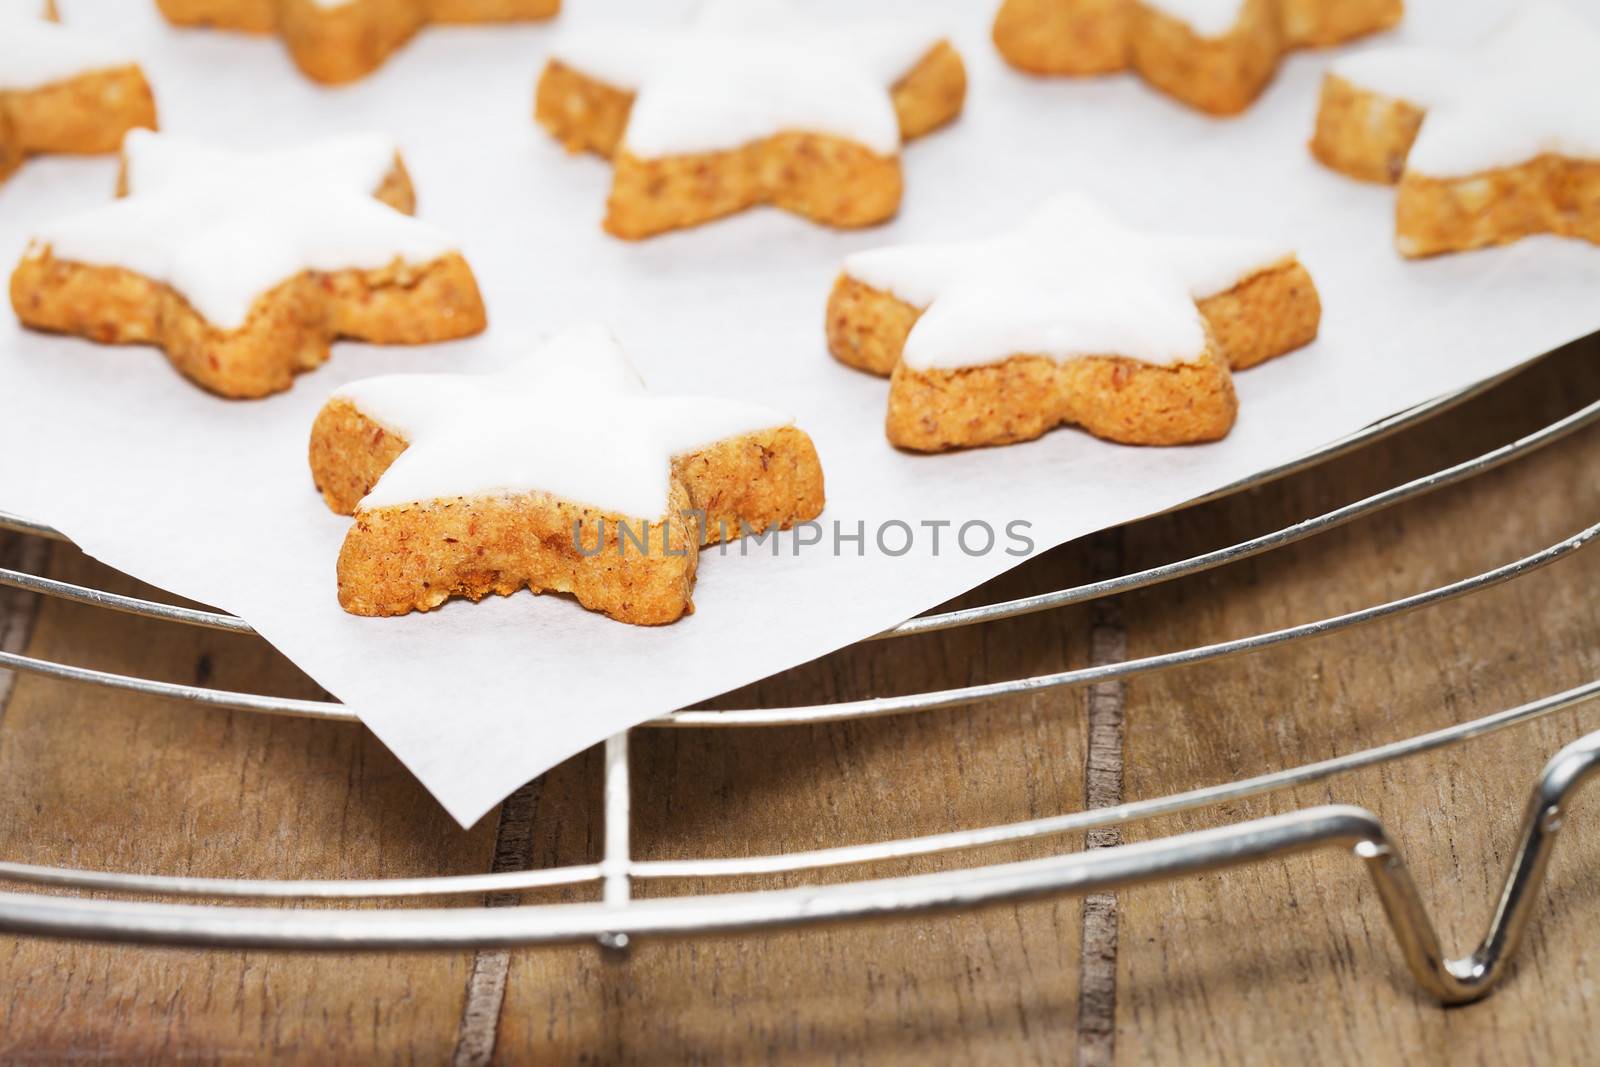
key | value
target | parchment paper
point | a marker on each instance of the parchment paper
(212, 500)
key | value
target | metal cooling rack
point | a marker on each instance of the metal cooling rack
(618, 916)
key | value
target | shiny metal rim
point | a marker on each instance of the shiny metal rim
(615, 922)
(620, 916)
(817, 859)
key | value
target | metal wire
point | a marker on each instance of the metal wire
(223, 699)
(130, 605)
(1334, 826)
(212, 698)
(618, 916)
(619, 868)
(973, 694)
(1289, 535)
(1371, 434)
(874, 706)
(18, 524)
(460, 927)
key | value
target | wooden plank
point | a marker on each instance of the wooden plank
(1286, 960)
(108, 781)
(1292, 961)
(552, 821)
(997, 986)
(17, 609)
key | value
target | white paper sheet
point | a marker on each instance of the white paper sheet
(211, 499)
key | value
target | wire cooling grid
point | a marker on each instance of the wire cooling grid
(619, 917)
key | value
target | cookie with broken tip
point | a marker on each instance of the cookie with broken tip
(335, 41)
(63, 91)
(1215, 55)
(752, 104)
(1071, 319)
(245, 267)
(1488, 144)
(466, 485)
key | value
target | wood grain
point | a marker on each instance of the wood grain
(486, 984)
(17, 609)
(1288, 960)
(1291, 961)
(114, 782)
(997, 986)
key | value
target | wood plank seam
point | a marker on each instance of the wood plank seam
(486, 983)
(1102, 787)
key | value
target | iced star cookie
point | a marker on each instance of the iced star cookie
(1488, 145)
(558, 474)
(61, 90)
(1215, 55)
(245, 267)
(1069, 319)
(755, 103)
(336, 41)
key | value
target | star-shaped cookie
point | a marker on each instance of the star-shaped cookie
(755, 103)
(1071, 318)
(1215, 55)
(1489, 145)
(61, 90)
(559, 474)
(336, 41)
(246, 267)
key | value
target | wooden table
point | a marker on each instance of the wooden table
(1287, 961)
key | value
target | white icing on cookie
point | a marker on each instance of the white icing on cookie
(1207, 18)
(749, 69)
(1531, 88)
(223, 228)
(1069, 282)
(571, 419)
(35, 53)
